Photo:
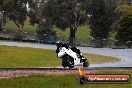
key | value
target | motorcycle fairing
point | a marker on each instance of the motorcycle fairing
(64, 51)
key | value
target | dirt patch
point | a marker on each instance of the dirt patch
(18, 73)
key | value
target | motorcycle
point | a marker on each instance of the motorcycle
(71, 56)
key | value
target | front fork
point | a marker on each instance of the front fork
(82, 59)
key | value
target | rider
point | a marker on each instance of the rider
(73, 48)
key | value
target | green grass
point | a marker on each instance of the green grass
(31, 57)
(63, 81)
(27, 57)
(83, 33)
(112, 35)
(95, 59)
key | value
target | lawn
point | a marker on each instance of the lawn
(62, 81)
(82, 34)
(31, 57)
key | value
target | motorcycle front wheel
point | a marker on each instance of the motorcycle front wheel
(64, 63)
(68, 61)
(85, 63)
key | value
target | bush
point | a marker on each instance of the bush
(18, 35)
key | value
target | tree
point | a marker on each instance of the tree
(99, 22)
(123, 10)
(1, 21)
(124, 25)
(118, 12)
(34, 11)
(64, 14)
(124, 33)
(0, 25)
(16, 10)
(111, 6)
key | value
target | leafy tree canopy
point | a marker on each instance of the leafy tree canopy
(124, 10)
(99, 22)
(64, 14)
(124, 33)
(16, 10)
(124, 29)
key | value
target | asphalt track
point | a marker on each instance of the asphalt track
(124, 54)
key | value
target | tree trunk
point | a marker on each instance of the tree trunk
(72, 35)
(0, 25)
(0, 28)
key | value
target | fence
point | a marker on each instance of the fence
(89, 42)
(104, 43)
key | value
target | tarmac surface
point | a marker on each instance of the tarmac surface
(124, 54)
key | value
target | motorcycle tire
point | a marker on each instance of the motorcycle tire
(86, 63)
(70, 62)
(70, 66)
(82, 80)
(64, 63)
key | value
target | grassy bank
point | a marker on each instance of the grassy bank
(31, 57)
(63, 81)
